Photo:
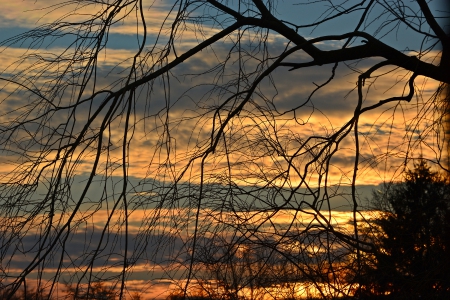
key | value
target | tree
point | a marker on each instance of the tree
(94, 290)
(25, 294)
(212, 120)
(413, 251)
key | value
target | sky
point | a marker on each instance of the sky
(388, 135)
(328, 110)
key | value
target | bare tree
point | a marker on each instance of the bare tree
(218, 118)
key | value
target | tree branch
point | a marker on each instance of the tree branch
(431, 20)
(373, 48)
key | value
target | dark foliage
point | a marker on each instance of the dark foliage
(24, 294)
(413, 256)
(95, 290)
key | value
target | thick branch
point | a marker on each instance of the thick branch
(374, 48)
(263, 9)
(270, 22)
(443, 37)
(431, 20)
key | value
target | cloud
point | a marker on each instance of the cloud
(190, 97)
(30, 13)
(174, 119)
(154, 253)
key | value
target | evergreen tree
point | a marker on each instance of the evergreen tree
(413, 248)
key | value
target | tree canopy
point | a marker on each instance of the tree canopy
(136, 136)
(412, 259)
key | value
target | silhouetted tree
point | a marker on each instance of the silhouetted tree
(25, 294)
(413, 250)
(93, 291)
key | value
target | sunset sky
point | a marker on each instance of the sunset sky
(330, 108)
(389, 135)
